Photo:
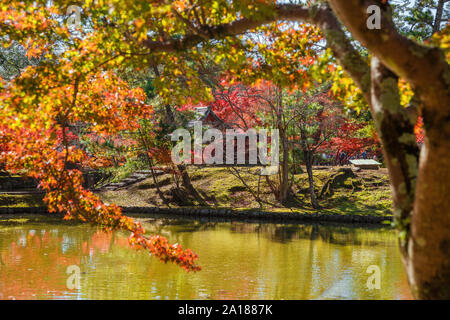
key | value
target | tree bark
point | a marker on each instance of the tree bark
(284, 179)
(150, 164)
(185, 179)
(438, 18)
(312, 193)
(426, 249)
(428, 252)
(396, 131)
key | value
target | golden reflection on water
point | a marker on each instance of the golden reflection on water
(239, 260)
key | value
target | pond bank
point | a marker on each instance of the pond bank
(364, 198)
(232, 214)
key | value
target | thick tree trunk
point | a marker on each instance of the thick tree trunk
(396, 131)
(426, 189)
(422, 207)
(426, 227)
(428, 252)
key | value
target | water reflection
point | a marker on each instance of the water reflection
(239, 260)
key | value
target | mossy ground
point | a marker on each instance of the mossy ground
(222, 189)
(21, 200)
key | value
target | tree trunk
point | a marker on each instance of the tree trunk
(396, 131)
(185, 179)
(428, 252)
(438, 18)
(284, 179)
(150, 164)
(423, 208)
(426, 227)
(312, 193)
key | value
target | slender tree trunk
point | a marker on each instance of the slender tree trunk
(294, 164)
(284, 179)
(156, 183)
(438, 18)
(185, 179)
(312, 193)
(150, 164)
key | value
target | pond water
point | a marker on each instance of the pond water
(239, 260)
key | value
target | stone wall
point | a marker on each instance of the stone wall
(231, 214)
(8, 183)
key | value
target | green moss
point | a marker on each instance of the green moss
(13, 221)
(313, 11)
(162, 181)
(21, 200)
(376, 201)
(367, 193)
(446, 76)
(419, 50)
(412, 162)
(389, 95)
(407, 138)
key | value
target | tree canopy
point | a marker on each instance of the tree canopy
(81, 52)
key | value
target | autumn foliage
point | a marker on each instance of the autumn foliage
(78, 81)
(77, 84)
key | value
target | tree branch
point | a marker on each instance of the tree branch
(321, 16)
(424, 67)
